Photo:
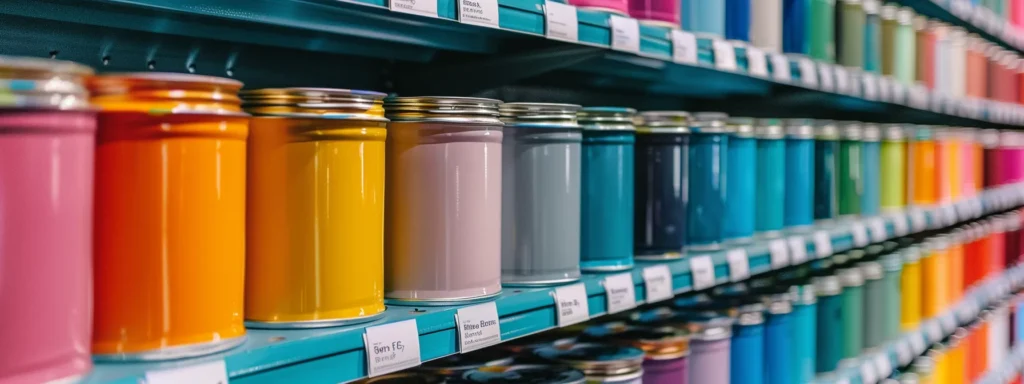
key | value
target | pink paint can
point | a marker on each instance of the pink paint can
(442, 237)
(1011, 157)
(658, 12)
(47, 139)
(620, 7)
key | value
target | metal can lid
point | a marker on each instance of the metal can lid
(595, 358)
(871, 7)
(712, 328)
(850, 277)
(750, 314)
(515, 374)
(906, 16)
(893, 132)
(920, 133)
(663, 122)
(888, 12)
(443, 109)
(871, 270)
(1010, 139)
(990, 138)
(827, 285)
(741, 126)
(607, 118)
(327, 103)
(852, 131)
(804, 294)
(871, 133)
(779, 303)
(709, 122)
(43, 83)
(911, 254)
(539, 115)
(826, 130)
(658, 343)
(800, 128)
(769, 129)
(891, 262)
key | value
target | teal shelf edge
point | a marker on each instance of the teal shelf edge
(332, 355)
(879, 363)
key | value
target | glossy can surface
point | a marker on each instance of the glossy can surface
(709, 360)
(737, 19)
(795, 19)
(667, 371)
(873, 304)
(315, 217)
(853, 312)
(821, 30)
(830, 338)
(826, 182)
(770, 180)
(800, 183)
(922, 168)
(805, 324)
(766, 24)
(607, 189)
(892, 265)
(872, 37)
(779, 352)
(444, 176)
(620, 7)
(850, 33)
(46, 221)
(741, 181)
(892, 171)
(708, 169)
(934, 277)
(746, 356)
(701, 16)
(659, 12)
(871, 166)
(850, 172)
(169, 257)
(540, 197)
(662, 182)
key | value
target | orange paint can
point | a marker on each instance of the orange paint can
(935, 276)
(169, 249)
(922, 187)
(955, 269)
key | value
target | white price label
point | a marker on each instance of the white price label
(883, 365)
(867, 373)
(949, 214)
(859, 233)
(948, 323)
(826, 77)
(560, 22)
(658, 281)
(842, 79)
(884, 88)
(739, 264)
(917, 342)
(870, 87)
(214, 372)
(684, 47)
(416, 7)
(918, 220)
(625, 33)
(822, 244)
(478, 327)
(725, 55)
(899, 224)
(934, 331)
(757, 64)
(797, 247)
(878, 230)
(571, 303)
(620, 292)
(917, 97)
(780, 67)
(703, 271)
(808, 72)
(479, 12)
(778, 254)
(903, 352)
(392, 347)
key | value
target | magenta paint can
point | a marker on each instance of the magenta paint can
(442, 242)
(657, 12)
(47, 139)
(620, 7)
(1011, 157)
(709, 350)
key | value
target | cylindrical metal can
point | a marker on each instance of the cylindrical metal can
(705, 17)
(870, 156)
(618, 7)
(737, 19)
(911, 285)
(607, 199)
(540, 196)
(741, 180)
(829, 339)
(922, 188)
(746, 355)
(600, 363)
(853, 311)
(849, 169)
(656, 12)
(771, 177)
(893, 169)
(779, 339)
(315, 217)
(874, 303)
(998, 337)
(766, 24)
(826, 184)
(805, 325)
(872, 37)
(47, 141)
(709, 350)
(549, 374)
(666, 350)
(800, 185)
(850, 35)
(708, 169)
(444, 173)
(905, 47)
(795, 19)
(662, 180)
(169, 257)
(934, 277)
(821, 28)
(892, 266)
(955, 267)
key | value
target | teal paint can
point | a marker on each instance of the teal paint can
(852, 319)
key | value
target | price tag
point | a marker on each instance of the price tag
(571, 302)
(703, 270)
(479, 12)
(883, 365)
(884, 86)
(780, 67)
(917, 342)
(658, 281)
(867, 373)
(899, 224)
(826, 77)
(416, 7)
(870, 87)
(934, 331)
(625, 33)
(725, 55)
(903, 352)
(842, 79)
(860, 234)
(560, 22)
(949, 214)
(778, 254)
(684, 47)
(757, 64)
(948, 323)
(392, 347)
(620, 292)
(918, 97)
(214, 372)
(878, 231)
(822, 244)
(899, 93)
(918, 221)
(478, 327)
(739, 264)
(808, 72)
(797, 249)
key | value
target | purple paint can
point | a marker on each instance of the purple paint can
(666, 348)
(709, 350)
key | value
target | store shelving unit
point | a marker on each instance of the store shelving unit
(973, 18)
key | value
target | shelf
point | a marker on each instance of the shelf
(362, 44)
(900, 352)
(972, 17)
(334, 355)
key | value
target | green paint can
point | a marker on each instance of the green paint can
(892, 266)
(874, 303)
(850, 33)
(852, 300)
(820, 30)
(851, 171)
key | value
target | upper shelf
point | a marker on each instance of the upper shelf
(362, 44)
(332, 355)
